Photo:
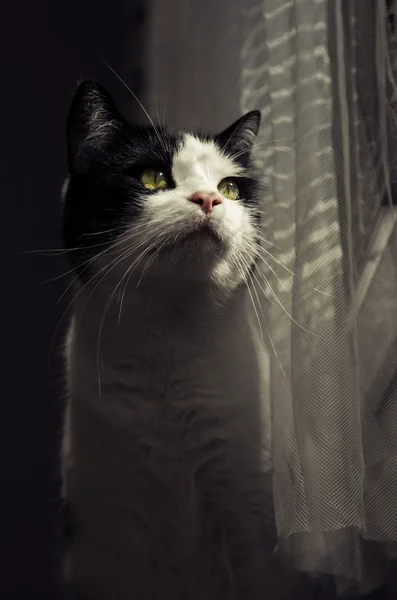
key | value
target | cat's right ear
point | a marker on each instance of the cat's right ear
(93, 123)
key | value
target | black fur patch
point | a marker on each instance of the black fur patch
(106, 155)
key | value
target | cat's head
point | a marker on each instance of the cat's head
(161, 205)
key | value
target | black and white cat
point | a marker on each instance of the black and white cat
(163, 433)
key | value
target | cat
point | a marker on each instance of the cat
(162, 450)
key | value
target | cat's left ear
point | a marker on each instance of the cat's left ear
(239, 138)
(93, 124)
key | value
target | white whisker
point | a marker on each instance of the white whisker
(161, 141)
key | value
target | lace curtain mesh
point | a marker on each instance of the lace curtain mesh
(323, 74)
(320, 72)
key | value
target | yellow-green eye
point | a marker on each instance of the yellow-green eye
(229, 189)
(154, 179)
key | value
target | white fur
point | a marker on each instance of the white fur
(163, 466)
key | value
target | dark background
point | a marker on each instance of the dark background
(45, 48)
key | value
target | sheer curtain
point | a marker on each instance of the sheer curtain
(323, 74)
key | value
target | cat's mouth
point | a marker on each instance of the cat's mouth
(200, 238)
(202, 232)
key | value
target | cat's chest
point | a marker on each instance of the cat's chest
(166, 396)
(163, 383)
(162, 360)
(169, 399)
(159, 368)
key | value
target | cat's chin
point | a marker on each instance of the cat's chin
(202, 243)
(195, 255)
(201, 238)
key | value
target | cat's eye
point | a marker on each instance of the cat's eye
(154, 179)
(229, 189)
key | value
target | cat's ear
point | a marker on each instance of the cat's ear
(239, 138)
(93, 123)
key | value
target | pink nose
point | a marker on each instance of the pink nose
(207, 200)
